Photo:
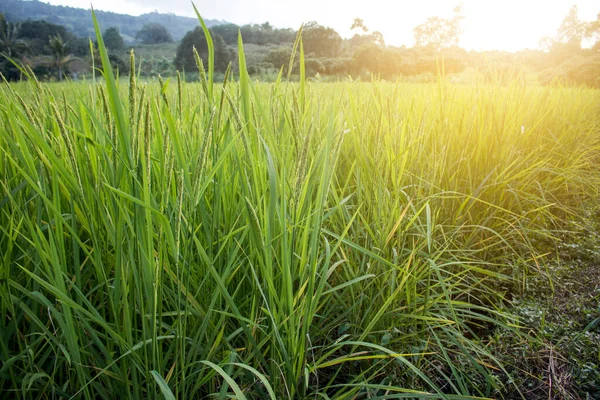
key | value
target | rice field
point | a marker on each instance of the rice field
(288, 240)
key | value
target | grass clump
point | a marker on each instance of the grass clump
(284, 240)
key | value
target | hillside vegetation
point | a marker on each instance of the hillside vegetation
(78, 21)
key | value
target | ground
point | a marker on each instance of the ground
(561, 309)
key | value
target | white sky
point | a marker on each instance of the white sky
(488, 24)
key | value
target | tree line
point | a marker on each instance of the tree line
(52, 51)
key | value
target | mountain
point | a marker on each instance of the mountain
(79, 21)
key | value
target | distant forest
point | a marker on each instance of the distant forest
(55, 43)
(79, 22)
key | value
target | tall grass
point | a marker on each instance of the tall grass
(276, 241)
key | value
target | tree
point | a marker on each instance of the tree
(321, 41)
(359, 24)
(60, 55)
(113, 39)
(572, 29)
(153, 33)
(439, 32)
(369, 57)
(384, 62)
(358, 40)
(229, 32)
(279, 57)
(592, 32)
(284, 35)
(11, 44)
(566, 44)
(184, 58)
(37, 33)
(258, 34)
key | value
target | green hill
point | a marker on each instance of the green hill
(79, 21)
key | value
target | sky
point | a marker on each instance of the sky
(488, 24)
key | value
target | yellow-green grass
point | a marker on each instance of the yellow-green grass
(351, 240)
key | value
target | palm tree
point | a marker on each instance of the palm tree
(60, 58)
(10, 43)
